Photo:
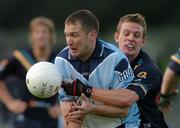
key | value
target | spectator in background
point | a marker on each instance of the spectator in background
(170, 80)
(32, 112)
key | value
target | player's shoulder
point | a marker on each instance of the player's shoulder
(64, 53)
(13, 59)
(177, 54)
(147, 65)
(176, 57)
(26, 52)
(110, 48)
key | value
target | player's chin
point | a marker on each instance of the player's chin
(128, 52)
(75, 54)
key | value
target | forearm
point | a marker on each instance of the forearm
(169, 81)
(73, 125)
(66, 107)
(5, 96)
(115, 97)
(109, 111)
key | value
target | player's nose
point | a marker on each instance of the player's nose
(131, 37)
(69, 41)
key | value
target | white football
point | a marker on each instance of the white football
(43, 79)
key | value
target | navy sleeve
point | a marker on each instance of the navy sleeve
(8, 67)
(147, 77)
(175, 63)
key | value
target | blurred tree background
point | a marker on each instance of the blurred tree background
(162, 16)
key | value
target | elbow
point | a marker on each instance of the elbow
(125, 112)
(127, 102)
(131, 99)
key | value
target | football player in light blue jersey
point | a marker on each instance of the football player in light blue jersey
(93, 62)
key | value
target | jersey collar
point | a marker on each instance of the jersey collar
(136, 60)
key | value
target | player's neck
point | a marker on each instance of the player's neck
(42, 54)
(132, 57)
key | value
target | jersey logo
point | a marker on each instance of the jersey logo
(142, 75)
(125, 74)
(137, 66)
(148, 125)
(85, 74)
(124, 71)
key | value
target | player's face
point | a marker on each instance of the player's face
(40, 36)
(79, 41)
(130, 39)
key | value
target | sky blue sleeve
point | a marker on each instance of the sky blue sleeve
(61, 64)
(123, 73)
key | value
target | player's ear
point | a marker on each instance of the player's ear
(143, 41)
(116, 35)
(93, 34)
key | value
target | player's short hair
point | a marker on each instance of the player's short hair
(135, 18)
(46, 22)
(87, 19)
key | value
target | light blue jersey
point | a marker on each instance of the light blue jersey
(107, 68)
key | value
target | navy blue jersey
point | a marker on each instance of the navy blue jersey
(13, 66)
(147, 85)
(175, 62)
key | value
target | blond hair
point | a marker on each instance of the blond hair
(46, 22)
(135, 18)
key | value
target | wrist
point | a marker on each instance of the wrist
(166, 96)
(8, 102)
(94, 92)
(92, 109)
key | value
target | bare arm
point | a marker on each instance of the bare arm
(109, 111)
(115, 97)
(5, 96)
(13, 105)
(170, 79)
(100, 110)
(54, 111)
(66, 108)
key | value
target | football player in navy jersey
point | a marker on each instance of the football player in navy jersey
(170, 80)
(130, 36)
(32, 112)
